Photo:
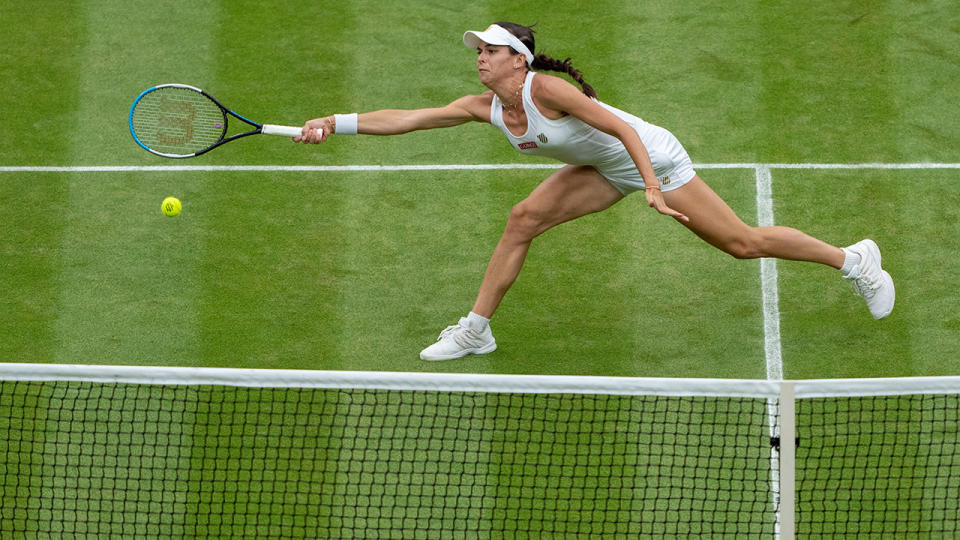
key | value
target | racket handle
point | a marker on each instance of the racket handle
(283, 131)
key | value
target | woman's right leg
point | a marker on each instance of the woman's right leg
(569, 193)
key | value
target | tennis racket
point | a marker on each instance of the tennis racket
(181, 121)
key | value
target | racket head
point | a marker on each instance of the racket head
(177, 121)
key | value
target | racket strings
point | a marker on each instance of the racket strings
(177, 120)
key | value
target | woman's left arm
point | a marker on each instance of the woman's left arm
(559, 95)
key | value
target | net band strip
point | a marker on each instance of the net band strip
(452, 382)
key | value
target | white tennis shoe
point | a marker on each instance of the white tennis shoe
(460, 340)
(870, 280)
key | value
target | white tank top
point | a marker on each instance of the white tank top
(573, 141)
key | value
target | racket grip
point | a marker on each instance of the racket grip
(283, 131)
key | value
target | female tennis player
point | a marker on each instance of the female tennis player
(609, 154)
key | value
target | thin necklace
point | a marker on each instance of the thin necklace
(518, 99)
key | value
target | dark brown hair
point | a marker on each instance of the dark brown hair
(544, 62)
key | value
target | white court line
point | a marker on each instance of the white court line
(861, 165)
(768, 279)
(283, 168)
(449, 167)
(771, 329)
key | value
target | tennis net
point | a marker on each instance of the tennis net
(119, 452)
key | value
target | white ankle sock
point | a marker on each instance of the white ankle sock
(850, 260)
(477, 322)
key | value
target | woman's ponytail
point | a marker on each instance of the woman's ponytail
(542, 61)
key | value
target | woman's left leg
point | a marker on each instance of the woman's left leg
(713, 221)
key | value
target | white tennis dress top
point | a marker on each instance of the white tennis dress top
(573, 141)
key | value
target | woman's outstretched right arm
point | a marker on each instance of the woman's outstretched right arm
(395, 122)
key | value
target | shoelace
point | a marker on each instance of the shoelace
(865, 284)
(448, 331)
(461, 335)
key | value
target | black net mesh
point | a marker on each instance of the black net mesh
(97, 460)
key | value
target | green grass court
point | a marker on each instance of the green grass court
(361, 269)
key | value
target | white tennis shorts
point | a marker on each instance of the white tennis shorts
(671, 163)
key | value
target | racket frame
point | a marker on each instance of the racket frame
(267, 129)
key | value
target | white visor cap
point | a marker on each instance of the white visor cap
(496, 35)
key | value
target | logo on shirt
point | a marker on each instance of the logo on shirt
(543, 138)
(527, 145)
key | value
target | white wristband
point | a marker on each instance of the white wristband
(346, 124)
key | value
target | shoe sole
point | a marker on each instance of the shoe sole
(483, 350)
(888, 281)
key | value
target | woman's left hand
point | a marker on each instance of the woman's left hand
(655, 200)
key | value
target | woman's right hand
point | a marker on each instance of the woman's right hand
(317, 130)
(655, 200)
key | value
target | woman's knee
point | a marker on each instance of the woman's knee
(525, 221)
(748, 245)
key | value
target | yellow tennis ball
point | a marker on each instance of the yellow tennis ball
(171, 206)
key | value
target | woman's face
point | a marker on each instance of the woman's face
(496, 63)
